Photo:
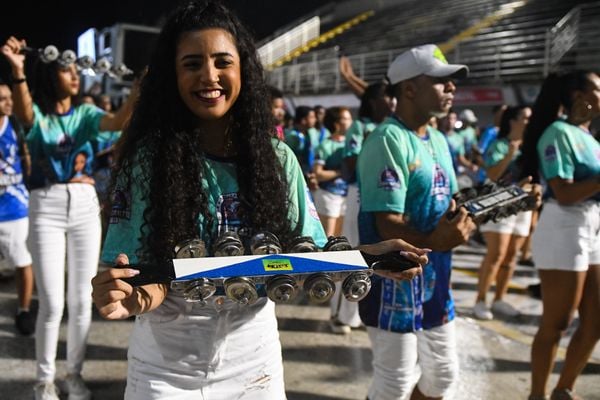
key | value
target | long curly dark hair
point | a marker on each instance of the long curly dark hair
(162, 137)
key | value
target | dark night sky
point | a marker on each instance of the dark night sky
(45, 22)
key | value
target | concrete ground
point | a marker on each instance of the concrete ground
(320, 365)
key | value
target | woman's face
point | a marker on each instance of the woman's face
(207, 66)
(343, 124)
(592, 94)
(68, 81)
(518, 125)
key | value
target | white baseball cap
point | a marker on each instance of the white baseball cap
(428, 60)
(468, 116)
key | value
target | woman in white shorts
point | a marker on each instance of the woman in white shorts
(330, 197)
(229, 173)
(566, 243)
(505, 237)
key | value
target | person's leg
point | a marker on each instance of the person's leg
(394, 361)
(587, 334)
(24, 282)
(339, 223)
(438, 359)
(497, 243)
(507, 266)
(329, 224)
(561, 295)
(83, 251)
(526, 246)
(47, 224)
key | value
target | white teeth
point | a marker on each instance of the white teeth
(209, 94)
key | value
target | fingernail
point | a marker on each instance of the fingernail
(427, 250)
(132, 272)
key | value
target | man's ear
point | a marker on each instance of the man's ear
(409, 89)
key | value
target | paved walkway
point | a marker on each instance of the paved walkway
(319, 365)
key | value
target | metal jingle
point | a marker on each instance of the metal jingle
(319, 287)
(67, 58)
(303, 244)
(228, 244)
(102, 65)
(337, 243)
(356, 286)
(85, 62)
(192, 248)
(264, 243)
(281, 288)
(241, 290)
(49, 53)
(199, 290)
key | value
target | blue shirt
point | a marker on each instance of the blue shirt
(14, 198)
(60, 145)
(400, 172)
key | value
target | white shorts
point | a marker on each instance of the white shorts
(329, 204)
(13, 242)
(518, 225)
(219, 351)
(567, 237)
(350, 226)
(395, 356)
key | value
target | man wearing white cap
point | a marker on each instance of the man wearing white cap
(406, 182)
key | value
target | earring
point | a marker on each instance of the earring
(588, 106)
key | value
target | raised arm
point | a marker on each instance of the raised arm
(22, 101)
(116, 121)
(357, 85)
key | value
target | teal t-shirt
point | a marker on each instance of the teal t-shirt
(330, 154)
(457, 147)
(400, 172)
(60, 145)
(220, 182)
(568, 152)
(356, 134)
(495, 153)
(469, 136)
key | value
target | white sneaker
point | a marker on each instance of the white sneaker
(338, 327)
(45, 391)
(481, 311)
(76, 388)
(503, 308)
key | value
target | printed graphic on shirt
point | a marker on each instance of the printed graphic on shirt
(312, 210)
(121, 206)
(440, 187)
(14, 198)
(229, 212)
(550, 153)
(389, 179)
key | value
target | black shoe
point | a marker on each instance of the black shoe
(535, 290)
(527, 262)
(25, 323)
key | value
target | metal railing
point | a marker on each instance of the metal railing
(293, 39)
(523, 52)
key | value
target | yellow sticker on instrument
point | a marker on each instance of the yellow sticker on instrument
(277, 265)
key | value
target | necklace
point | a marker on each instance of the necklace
(426, 139)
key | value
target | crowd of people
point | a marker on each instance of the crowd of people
(202, 131)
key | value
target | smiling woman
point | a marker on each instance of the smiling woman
(198, 159)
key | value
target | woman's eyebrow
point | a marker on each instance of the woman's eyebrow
(213, 55)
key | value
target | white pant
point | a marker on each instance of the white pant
(64, 219)
(13, 242)
(219, 351)
(350, 225)
(395, 356)
(343, 310)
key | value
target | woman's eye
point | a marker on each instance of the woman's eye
(223, 63)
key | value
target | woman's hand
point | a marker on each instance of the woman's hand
(114, 298)
(12, 52)
(411, 252)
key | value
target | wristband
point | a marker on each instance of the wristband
(16, 81)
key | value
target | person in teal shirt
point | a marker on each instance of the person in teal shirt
(205, 163)
(503, 238)
(63, 213)
(566, 243)
(406, 182)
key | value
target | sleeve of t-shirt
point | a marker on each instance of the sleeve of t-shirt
(302, 209)
(556, 154)
(495, 153)
(126, 220)
(321, 154)
(354, 139)
(383, 173)
(91, 116)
